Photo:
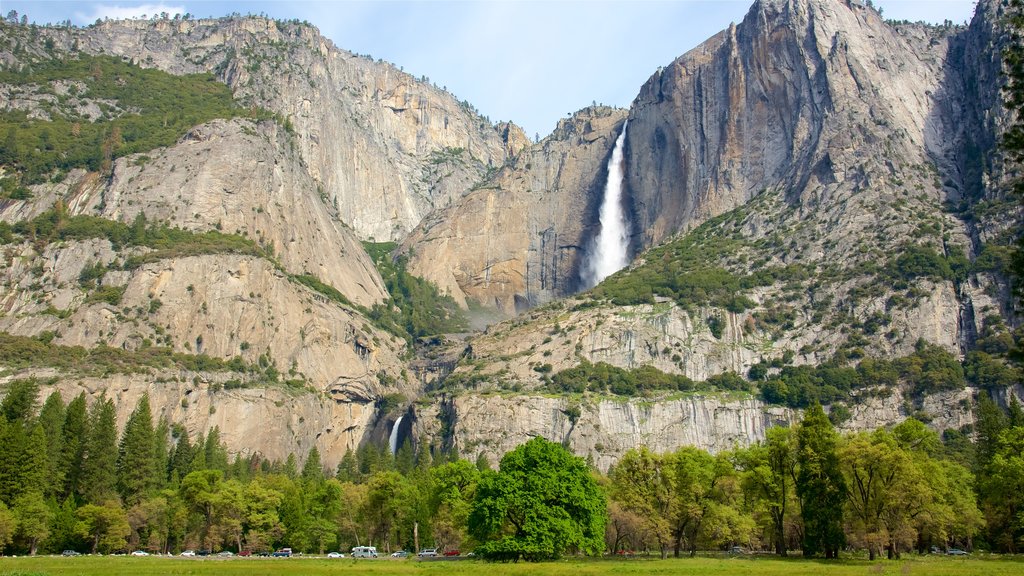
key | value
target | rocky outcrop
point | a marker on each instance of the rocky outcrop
(518, 240)
(371, 135)
(243, 178)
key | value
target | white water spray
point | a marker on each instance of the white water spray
(610, 250)
(394, 436)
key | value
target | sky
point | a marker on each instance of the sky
(528, 61)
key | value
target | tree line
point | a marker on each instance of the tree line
(70, 480)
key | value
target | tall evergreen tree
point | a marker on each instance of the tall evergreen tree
(19, 404)
(820, 485)
(161, 453)
(198, 461)
(313, 469)
(136, 469)
(181, 458)
(51, 418)
(73, 434)
(99, 462)
(348, 468)
(23, 460)
(216, 454)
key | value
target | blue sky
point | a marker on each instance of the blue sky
(528, 61)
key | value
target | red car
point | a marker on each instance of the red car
(451, 553)
(245, 553)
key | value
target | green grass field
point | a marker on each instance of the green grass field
(912, 565)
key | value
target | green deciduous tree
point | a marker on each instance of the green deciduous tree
(1004, 491)
(33, 519)
(105, 526)
(8, 526)
(643, 484)
(769, 472)
(820, 485)
(540, 504)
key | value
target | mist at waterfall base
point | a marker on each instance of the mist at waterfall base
(393, 441)
(609, 252)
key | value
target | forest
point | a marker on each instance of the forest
(70, 480)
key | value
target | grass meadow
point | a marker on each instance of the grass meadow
(701, 566)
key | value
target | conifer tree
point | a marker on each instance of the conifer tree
(216, 455)
(51, 417)
(161, 453)
(99, 462)
(136, 468)
(73, 434)
(19, 404)
(348, 468)
(181, 458)
(198, 461)
(405, 460)
(313, 469)
(820, 485)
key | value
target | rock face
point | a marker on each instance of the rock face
(799, 153)
(604, 430)
(519, 239)
(384, 147)
(231, 176)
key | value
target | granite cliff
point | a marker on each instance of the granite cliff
(812, 186)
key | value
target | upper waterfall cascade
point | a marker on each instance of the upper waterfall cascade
(610, 250)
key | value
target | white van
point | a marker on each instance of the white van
(364, 552)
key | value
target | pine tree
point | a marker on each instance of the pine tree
(405, 460)
(313, 469)
(73, 433)
(99, 462)
(198, 461)
(19, 404)
(161, 453)
(181, 460)
(23, 460)
(820, 485)
(348, 468)
(51, 417)
(216, 454)
(136, 468)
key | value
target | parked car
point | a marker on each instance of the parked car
(428, 553)
(451, 553)
(282, 553)
(956, 552)
(226, 553)
(400, 554)
(203, 553)
(189, 553)
(140, 553)
(364, 552)
(70, 553)
(335, 555)
(245, 553)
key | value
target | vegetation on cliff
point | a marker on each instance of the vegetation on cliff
(416, 308)
(92, 110)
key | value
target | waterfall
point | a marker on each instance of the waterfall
(610, 250)
(394, 436)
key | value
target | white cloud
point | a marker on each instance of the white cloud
(102, 11)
